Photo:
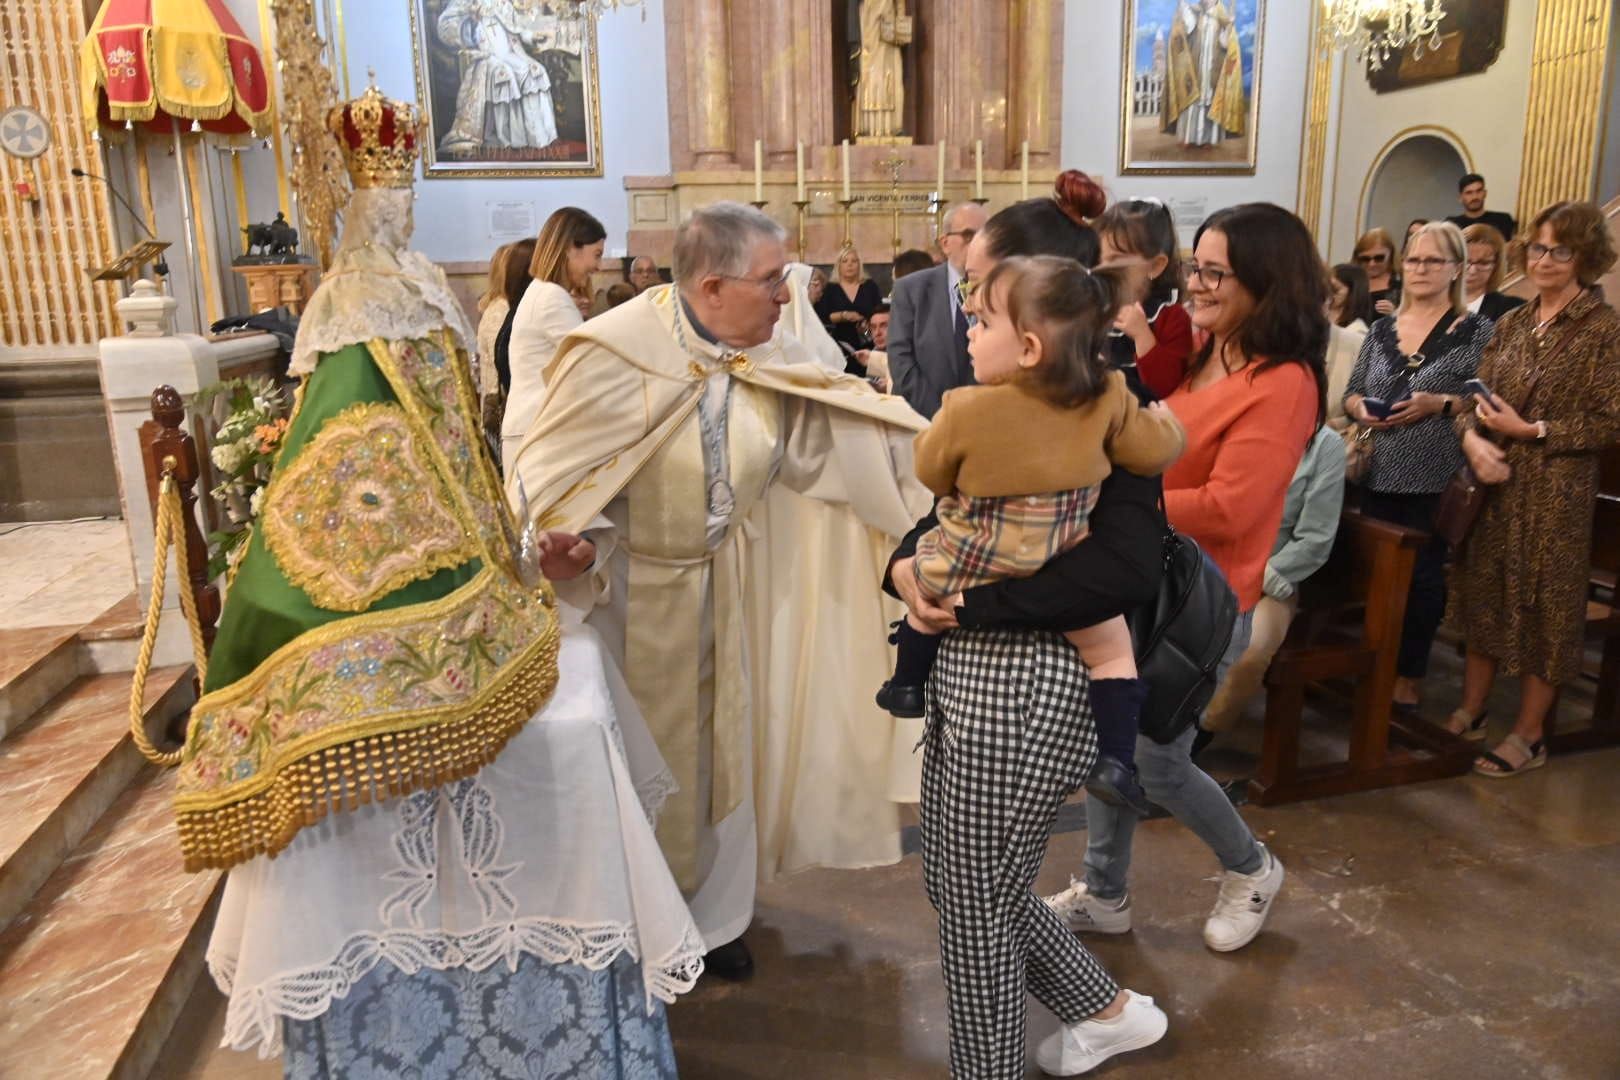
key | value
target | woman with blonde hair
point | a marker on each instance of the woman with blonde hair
(1487, 263)
(1406, 388)
(1375, 253)
(1553, 374)
(566, 254)
(845, 305)
(508, 278)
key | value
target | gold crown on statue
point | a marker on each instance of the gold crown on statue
(377, 136)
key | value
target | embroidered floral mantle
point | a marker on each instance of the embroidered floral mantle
(391, 699)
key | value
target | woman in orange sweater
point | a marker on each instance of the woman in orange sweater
(1252, 398)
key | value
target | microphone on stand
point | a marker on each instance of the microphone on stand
(161, 266)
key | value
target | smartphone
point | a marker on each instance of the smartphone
(1479, 389)
(1377, 408)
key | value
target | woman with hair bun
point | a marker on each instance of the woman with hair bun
(1010, 698)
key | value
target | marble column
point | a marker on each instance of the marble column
(708, 37)
(1037, 34)
(780, 66)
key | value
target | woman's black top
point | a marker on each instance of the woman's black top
(1115, 570)
(834, 299)
(503, 345)
(1494, 305)
(1392, 294)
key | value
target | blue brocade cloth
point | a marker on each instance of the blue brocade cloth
(557, 1021)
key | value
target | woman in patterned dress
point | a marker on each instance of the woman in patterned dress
(1523, 577)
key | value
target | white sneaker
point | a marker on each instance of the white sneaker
(1078, 1048)
(1243, 904)
(1087, 914)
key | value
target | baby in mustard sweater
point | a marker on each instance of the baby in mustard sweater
(1016, 462)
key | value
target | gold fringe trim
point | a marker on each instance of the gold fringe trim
(371, 769)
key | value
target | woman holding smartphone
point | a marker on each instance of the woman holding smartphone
(1553, 373)
(1406, 387)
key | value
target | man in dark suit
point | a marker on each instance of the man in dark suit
(928, 331)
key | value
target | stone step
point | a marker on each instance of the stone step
(36, 664)
(113, 640)
(63, 768)
(96, 968)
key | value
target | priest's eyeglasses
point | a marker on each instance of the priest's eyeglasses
(771, 285)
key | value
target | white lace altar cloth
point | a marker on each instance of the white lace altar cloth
(547, 851)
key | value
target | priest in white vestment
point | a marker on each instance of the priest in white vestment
(673, 428)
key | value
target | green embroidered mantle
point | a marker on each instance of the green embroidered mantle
(376, 639)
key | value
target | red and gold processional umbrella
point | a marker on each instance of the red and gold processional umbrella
(168, 65)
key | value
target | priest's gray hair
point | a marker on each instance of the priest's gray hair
(720, 239)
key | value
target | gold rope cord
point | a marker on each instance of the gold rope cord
(168, 528)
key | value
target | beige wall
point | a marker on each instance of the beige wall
(1482, 115)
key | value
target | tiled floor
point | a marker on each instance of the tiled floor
(61, 573)
(1462, 928)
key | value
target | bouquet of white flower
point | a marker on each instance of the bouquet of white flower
(243, 452)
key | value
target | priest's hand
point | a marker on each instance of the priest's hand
(564, 556)
(935, 615)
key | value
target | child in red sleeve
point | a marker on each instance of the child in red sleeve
(1153, 331)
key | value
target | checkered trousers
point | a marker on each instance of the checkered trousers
(980, 540)
(1009, 737)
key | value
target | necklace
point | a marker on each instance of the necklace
(1541, 326)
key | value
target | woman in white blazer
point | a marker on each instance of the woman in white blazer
(567, 253)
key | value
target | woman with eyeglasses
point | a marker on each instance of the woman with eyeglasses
(1375, 254)
(1487, 259)
(1406, 388)
(1553, 375)
(1252, 398)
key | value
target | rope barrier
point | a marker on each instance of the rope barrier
(170, 516)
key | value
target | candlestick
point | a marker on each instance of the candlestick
(799, 206)
(759, 170)
(1023, 189)
(940, 186)
(758, 204)
(978, 169)
(845, 149)
(849, 236)
(798, 167)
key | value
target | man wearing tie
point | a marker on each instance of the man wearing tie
(928, 331)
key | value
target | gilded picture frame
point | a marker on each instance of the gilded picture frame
(510, 92)
(1189, 87)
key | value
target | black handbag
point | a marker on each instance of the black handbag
(1180, 638)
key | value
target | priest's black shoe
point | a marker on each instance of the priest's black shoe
(730, 961)
(900, 700)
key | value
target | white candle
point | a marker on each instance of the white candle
(798, 163)
(1024, 179)
(978, 168)
(940, 188)
(846, 168)
(759, 171)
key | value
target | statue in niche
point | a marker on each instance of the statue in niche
(1204, 100)
(504, 100)
(877, 68)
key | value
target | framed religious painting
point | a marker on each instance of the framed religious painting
(1190, 86)
(507, 88)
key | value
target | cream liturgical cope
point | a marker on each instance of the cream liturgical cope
(753, 641)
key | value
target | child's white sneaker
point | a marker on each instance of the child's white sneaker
(1088, 914)
(1078, 1048)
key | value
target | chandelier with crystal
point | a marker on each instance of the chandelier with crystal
(1376, 28)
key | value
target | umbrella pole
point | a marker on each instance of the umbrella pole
(193, 270)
